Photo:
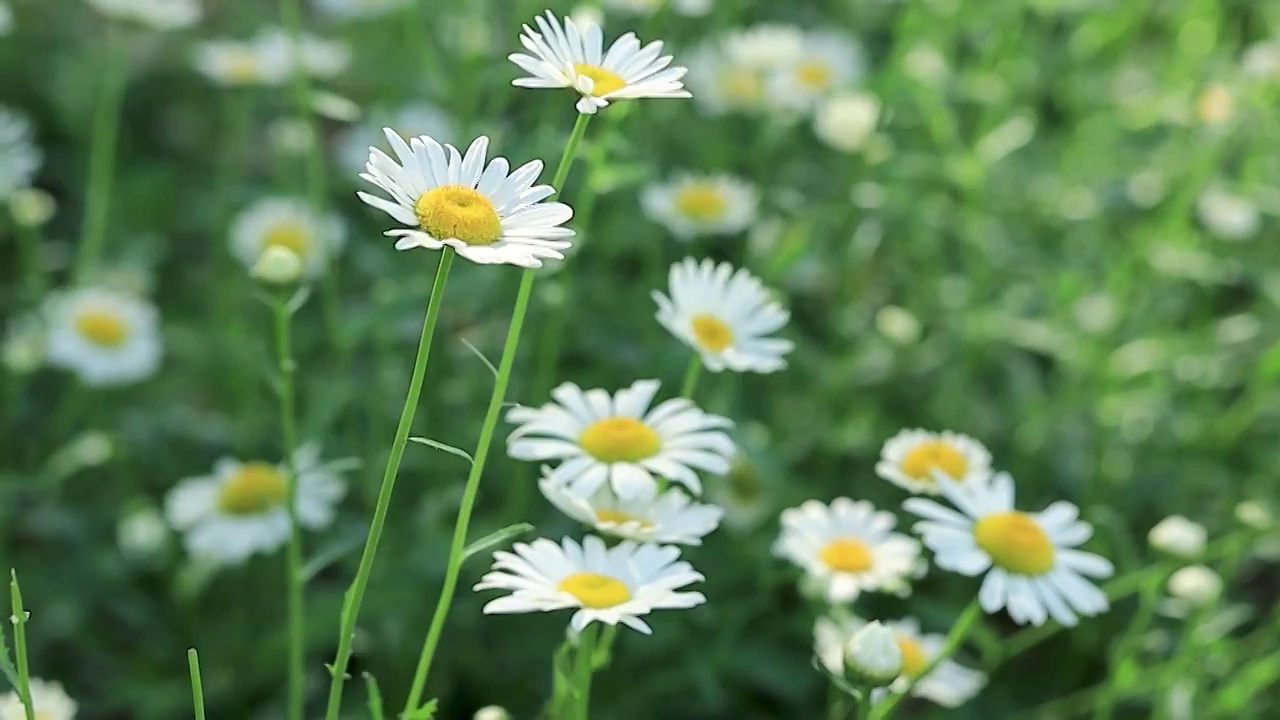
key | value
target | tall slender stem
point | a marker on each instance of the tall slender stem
(20, 646)
(958, 633)
(351, 608)
(197, 687)
(102, 158)
(582, 672)
(496, 399)
(691, 376)
(293, 564)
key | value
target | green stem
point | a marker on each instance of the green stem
(351, 608)
(864, 705)
(949, 646)
(20, 646)
(33, 279)
(482, 449)
(1128, 646)
(691, 376)
(197, 687)
(293, 564)
(582, 672)
(102, 158)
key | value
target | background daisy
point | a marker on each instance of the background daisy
(827, 61)
(912, 459)
(19, 156)
(48, 699)
(291, 224)
(103, 336)
(732, 72)
(690, 204)
(668, 517)
(262, 60)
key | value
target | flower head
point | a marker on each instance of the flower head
(48, 699)
(261, 60)
(103, 336)
(669, 517)
(913, 458)
(20, 159)
(1195, 585)
(691, 205)
(845, 121)
(154, 14)
(872, 657)
(827, 61)
(313, 237)
(734, 72)
(1178, 536)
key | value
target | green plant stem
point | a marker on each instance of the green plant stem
(33, 278)
(482, 449)
(864, 706)
(1112, 691)
(351, 607)
(293, 563)
(19, 620)
(691, 376)
(957, 635)
(197, 687)
(102, 158)
(582, 673)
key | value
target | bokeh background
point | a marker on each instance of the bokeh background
(1059, 237)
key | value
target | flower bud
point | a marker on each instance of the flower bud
(278, 266)
(31, 207)
(492, 712)
(872, 657)
(1195, 584)
(1178, 536)
(845, 122)
(142, 534)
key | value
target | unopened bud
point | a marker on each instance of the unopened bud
(872, 657)
(278, 266)
(1178, 536)
(31, 207)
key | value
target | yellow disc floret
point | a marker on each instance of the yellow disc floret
(458, 212)
(711, 332)
(288, 235)
(594, 590)
(933, 455)
(620, 439)
(102, 328)
(255, 488)
(1015, 542)
(618, 517)
(846, 555)
(701, 201)
(914, 659)
(604, 81)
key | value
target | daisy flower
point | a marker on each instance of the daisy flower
(827, 61)
(913, 458)
(848, 547)
(669, 517)
(687, 8)
(241, 508)
(620, 440)
(725, 315)
(696, 204)
(360, 9)
(485, 213)
(609, 585)
(1031, 564)
(48, 699)
(317, 56)
(732, 73)
(408, 121)
(565, 56)
(949, 684)
(19, 156)
(261, 60)
(103, 336)
(287, 223)
(155, 14)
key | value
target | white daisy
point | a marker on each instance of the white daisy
(155, 14)
(485, 213)
(566, 56)
(687, 8)
(621, 441)
(19, 156)
(701, 204)
(103, 336)
(912, 458)
(827, 61)
(1228, 215)
(949, 684)
(294, 225)
(1031, 564)
(48, 699)
(241, 508)
(1262, 60)
(408, 121)
(317, 56)
(261, 60)
(608, 585)
(669, 517)
(726, 316)
(360, 9)
(848, 547)
(732, 73)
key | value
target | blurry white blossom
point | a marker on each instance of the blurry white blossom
(1262, 60)
(334, 106)
(1178, 536)
(23, 350)
(277, 266)
(492, 712)
(20, 159)
(1228, 215)
(291, 135)
(155, 14)
(872, 657)
(925, 64)
(6, 19)
(49, 701)
(1146, 188)
(584, 15)
(1255, 514)
(898, 324)
(1196, 585)
(1215, 105)
(846, 119)
(1096, 312)
(1238, 328)
(31, 207)
(142, 533)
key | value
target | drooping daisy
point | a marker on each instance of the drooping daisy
(287, 223)
(621, 441)
(242, 509)
(608, 585)
(732, 73)
(912, 458)
(261, 60)
(566, 56)
(695, 204)
(828, 61)
(848, 547)
(103, 336)
(949, 684)
(670, 517)
(485, 213)
(1031, 564)
(155, 14)
(687, 8)
(726, 316)
(408, 121)
(48, 699)
(19, 156)
(360, 9)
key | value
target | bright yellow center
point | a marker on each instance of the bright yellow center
(255, 488)
(594, 590)
(933, 455)
(608, 515)
(288, 235)
(620, 439)
(846, 555)
(1015, 542)
(741, 85)
(102, 328)
(606, 81)
(711, 332)
(458, 212)
(814, 75)
(913, 658)
(242, 67)
(701, 201)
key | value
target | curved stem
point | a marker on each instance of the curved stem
(355, 595)
(293, 562)
(102, 158)
(691, 377)
(957, 635)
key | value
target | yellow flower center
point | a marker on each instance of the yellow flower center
(741, 85)
(913, 658)
(288, 235)
(606, 81)
(102, 328)
(608, 515)
(458, 212)
(933, 455)
(711, 332)
(594, 590)
(846, 555)
(1015, 542)
(815, 75)
(701, 201)
(620, 439)
(255, 488)
(242, 67)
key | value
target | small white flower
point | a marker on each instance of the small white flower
(20, 159)
(242, 508)
(103, 336)
(898, 324)
(690, 204)
(479, 209)
(566, 56)
(827, 61)
(726, 316)
(1178, 536)
(48, 699)
(313, 237)
(912, 458)
(155, 14)
(687, 8)
(24, 347)
(619, 440)
(1255, 514)
(1032, 567)
(408, 121)
(1262, 60)
(603, 584)
(733, 73)
(261, 60)
(318, 57)
(1227, 215)
(849, 547)
(669, 517)
(844, 121)
(360, 9)
(871, 656)
(1195, 584)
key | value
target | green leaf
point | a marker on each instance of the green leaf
(496, 538)
(331, 553)
(6, 663)
(426, 712)
(375, 698)
(480, 355)
(442, 446)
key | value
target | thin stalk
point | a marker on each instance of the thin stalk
(102, 159)
(691, 376)
(864, 707)
(351, 608)
(197, 687)
(582, 673)
(293, 563)
(481, 454)
(1112, 692)
(949, 646)
(20, 646)
(33, 279)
